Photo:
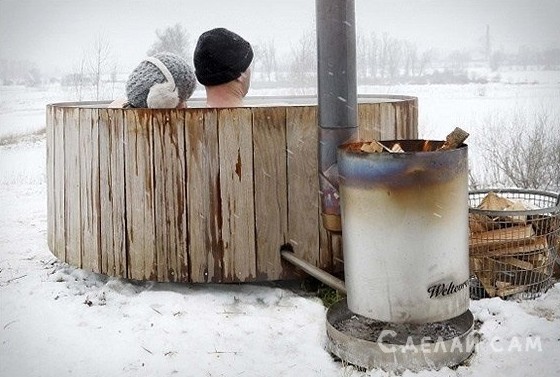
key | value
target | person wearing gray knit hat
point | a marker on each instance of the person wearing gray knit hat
(163, 81)
(222, 61)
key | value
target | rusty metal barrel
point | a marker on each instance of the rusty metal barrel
(198, 194)
(404, 221)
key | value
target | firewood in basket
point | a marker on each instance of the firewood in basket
(494, 202)
(454, 139)
(521, 264)
(481, 223)
(511, 290)
(498, 237)
(544, 224)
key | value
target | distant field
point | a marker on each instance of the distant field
(441, 108)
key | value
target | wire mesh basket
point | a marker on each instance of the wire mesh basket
(514, 242)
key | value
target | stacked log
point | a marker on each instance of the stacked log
(513, 252)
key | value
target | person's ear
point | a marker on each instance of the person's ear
(163, 95)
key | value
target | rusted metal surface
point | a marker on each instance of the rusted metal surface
(192, 195)
(405, 231)
(395, 350)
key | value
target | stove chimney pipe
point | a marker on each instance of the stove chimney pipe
(337, 97)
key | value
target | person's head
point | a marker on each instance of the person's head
(222, 56)
(163, 81)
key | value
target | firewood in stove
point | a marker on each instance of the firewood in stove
(454, 139)
(372, 147)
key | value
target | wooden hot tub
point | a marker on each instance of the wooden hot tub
(197, 194)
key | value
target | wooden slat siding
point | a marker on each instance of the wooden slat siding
(50, 119)
(406, 114)
(112, 192)
(303, 183)
(58, 184)
(170, 196)
(210, 200)
(203, 194)
(271, 196)
(89, 189)
(369, 126)
(237, 190)
(72, 207)
(139, 183)
(401, 119)
(387, 121)
(413, 119)
(105, 193)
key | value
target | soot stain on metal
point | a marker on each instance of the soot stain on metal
(396, 333)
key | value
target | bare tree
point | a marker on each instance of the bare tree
(78, 79)
(425, 61)
(390, 56)
(410, 52)
(99, 63)
(523, 150)
(458, 61)
(19, 72)
(265, 58)
(173, 39)
(362, 61)
(303, 67)
(367, 56)
(393, 50)
(373, 54)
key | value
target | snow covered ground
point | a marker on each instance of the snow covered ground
(56, 320)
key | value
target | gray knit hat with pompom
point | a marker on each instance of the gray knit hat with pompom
(147, 74)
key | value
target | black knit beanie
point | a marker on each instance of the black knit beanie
(221, 56)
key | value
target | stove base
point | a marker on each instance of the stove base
(372, 344)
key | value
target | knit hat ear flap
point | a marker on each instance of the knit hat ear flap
(163, 95)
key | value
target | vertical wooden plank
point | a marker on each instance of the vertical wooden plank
(58, 185)
(401, 119)
(105, 194)
(387, 122)
(406, 119)
(112, 192)
(369, 122)
(204, 197)
(413, 116)
(303, 183)
(89, 189)
(139, 183)
(271, 196)
(72, 207)
(50, 120)
(236, 181)
(170, 196)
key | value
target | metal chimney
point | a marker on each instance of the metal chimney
(337, 96)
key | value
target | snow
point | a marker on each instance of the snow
(56, 320)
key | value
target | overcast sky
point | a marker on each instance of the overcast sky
(55, 33)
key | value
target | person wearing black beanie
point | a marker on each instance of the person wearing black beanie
(222, 61)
